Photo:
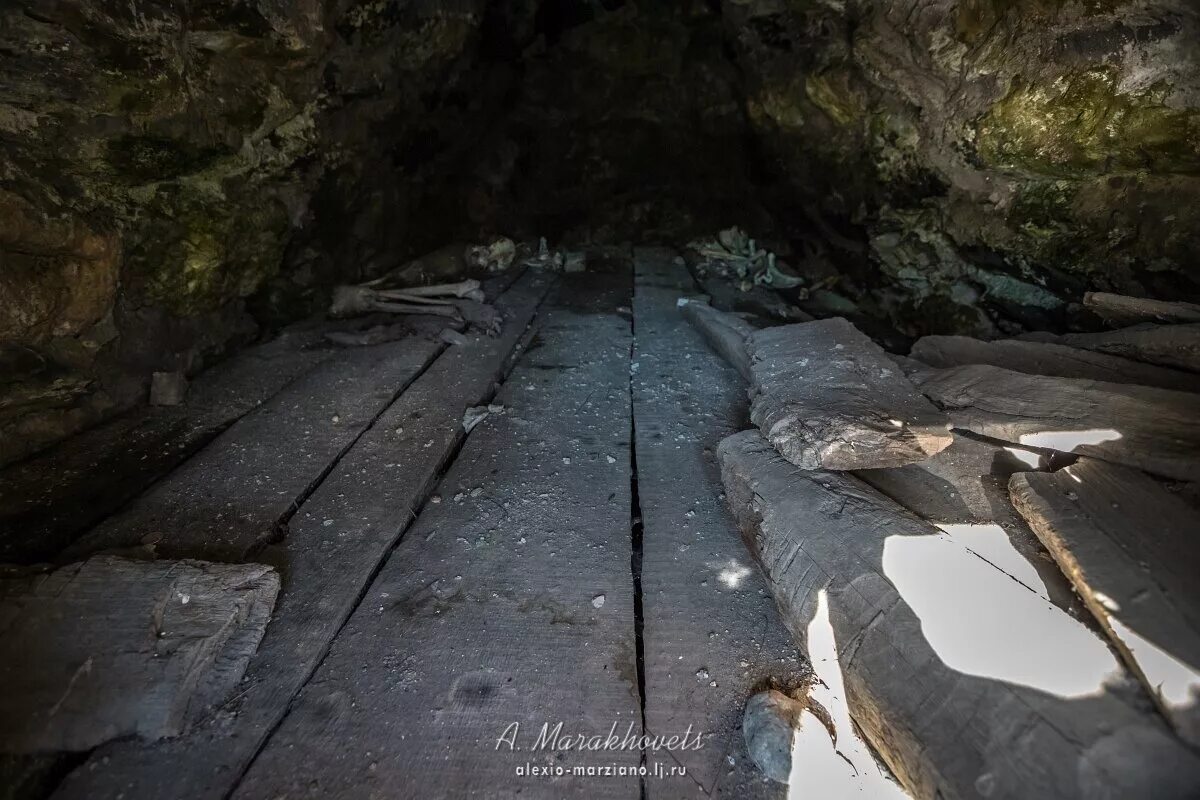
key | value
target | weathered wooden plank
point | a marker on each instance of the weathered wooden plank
(1166, 345)
(1132, 549)
(725, 333)
(1125, 310)
(828, 397)
(966, 683)
(508, 602)
(963, 490)
(51, 498)
(234, 494)
(1046, 358)
(334, 546)
(711, 633)
(112, 647)
(1154, 429)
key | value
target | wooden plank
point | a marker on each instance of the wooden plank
(725, 333)
(236, 493)
(50, 499)
(1046, 358)
(1166, 345)
(112, 647)
(828, 397)
(966, 683)
(1124, 310)
(963, 490)
(368, 500)
(1154, 429)
(508, 602)
(711, 633)
(1132, 549)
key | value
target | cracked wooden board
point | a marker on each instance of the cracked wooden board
(948, 722)
(508, 601)
(828, 397)
(1047, 358)
(112, 647)
(1175, 346)
(1154, 429)
(707, 617)
(231, 496)
(1133, 552)
(369, 499)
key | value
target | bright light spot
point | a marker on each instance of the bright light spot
(1106, 601)
(1024, 456)
(980, 620)
(1177, 683)
(733, 575)
(896, 422)
(1067, 441)
(819, 769)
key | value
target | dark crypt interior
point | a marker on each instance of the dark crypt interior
(496, 398)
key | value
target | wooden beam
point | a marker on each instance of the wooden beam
(1154, 429)
(712, 635)
(508, 601)
(1132, 550)
(112, 647)
(1047, 358)
(965, 682)
(828, 397)
(335, 544)
(1124, 310)
(725, 333)
(964, 491)
(236, 493)
(1175, 346)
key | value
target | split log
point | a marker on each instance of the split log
(1047, 358)
(1132, 550)
(1124, 310)
(110, 647)
(964, 491)
(965, 683)
(725, 333)
(828, 397)
(1153, 429)
(1166, 345)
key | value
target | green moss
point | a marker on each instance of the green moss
(195, 254)
(833, 93)
(1082, 125)
(151, 158)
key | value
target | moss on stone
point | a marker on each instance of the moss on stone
(833, 93)
(1082, 125)
(153, 158)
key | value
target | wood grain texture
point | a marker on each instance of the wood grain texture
(725, 333)
(1046, 358)
(1125, 310)
(48, 500)
(1132, 549)
(828, 397)
(707, 616)
(965, 487)
(112, 647)
(233, 495)
(1175, 346)
(1157, 430)
(945, 733)
(334, 547)
(487, 613)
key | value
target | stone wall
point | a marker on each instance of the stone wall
(163, 161)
